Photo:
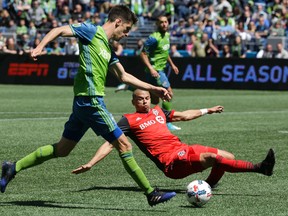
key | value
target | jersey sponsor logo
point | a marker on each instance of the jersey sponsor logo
(147, 124)
(28, 69)
(138, 119)
(104, 54)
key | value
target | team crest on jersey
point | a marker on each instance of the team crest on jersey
(160, 119)
(138, 119)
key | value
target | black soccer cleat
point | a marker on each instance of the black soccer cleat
(158, 196)
(8, 173)
(267, 165)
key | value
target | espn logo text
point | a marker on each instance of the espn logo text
(28, 69)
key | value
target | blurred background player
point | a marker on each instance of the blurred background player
(174, 158)
(155, 55)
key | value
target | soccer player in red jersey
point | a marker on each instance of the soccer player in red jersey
(147, 128)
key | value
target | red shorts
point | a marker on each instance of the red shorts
(186, 161)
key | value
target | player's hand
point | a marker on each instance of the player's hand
(175, 69)
(81, 169)
(154, 73)
(216, 109)
(34, 53)
(162, 93)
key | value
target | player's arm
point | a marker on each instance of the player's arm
(173, 66)
(118, 70)
(193, 114)
(145, 59)
(64, 31)
(100, 154)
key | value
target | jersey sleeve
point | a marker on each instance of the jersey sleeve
(84, 31)
(123, 124)
(114, 59)
(168, 114)
(150, 44)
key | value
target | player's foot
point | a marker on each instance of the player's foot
(158, 196)
(8, 173)
(172, 127)
(121, 87)
(267, 165)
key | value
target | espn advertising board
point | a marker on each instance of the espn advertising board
(205, 73)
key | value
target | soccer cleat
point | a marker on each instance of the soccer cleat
(8, 173)
(158, 196)
(267, 165)
(121, 87)
(172, 127)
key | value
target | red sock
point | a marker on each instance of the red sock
(223, 165)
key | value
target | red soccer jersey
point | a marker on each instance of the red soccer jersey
(150, 133)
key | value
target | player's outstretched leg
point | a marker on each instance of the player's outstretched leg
(8, 173)
(267, 165)
(158, 196)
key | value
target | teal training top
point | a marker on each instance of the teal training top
(95, 57)
(157, 47)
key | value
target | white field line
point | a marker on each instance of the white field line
(65, 115)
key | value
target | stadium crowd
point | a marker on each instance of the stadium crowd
(201, 28)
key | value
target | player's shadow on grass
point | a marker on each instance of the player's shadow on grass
(51, 204)
(136, 189)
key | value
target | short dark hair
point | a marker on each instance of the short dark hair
(123, 12)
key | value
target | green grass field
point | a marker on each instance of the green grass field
(253, 121)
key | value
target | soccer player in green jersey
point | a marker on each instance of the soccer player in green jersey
(89, 110)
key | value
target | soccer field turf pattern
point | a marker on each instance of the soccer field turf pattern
(252, 122)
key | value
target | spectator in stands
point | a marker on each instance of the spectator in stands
(56, 49)
(24, 43)
(174, 51)
(246, 17)
(49, 7)
(21, 28)
(190, 26)
(266, 53)
(35, 43)
(78, 15)
(5, 18)
(211, 50)
(64, 17)
(238, 50)
(2, 41)
(170, 11)
(71, 47)
(182, 8)
(212, 14)
(178, 30)
(281, 52)
(157, 9)
(36, 13)
(11, 47)
(199, 45)
(32, 30)
(87, 16)
(12, 27)
(138, 7)
(45, 25)
(96, 19)
(245, 36)
(209, 27)
(92, 7)
(226, 53)
(260, 11)
(277, 30)
(262, 30)
(221, 5)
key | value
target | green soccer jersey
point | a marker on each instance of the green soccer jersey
(157, 47)
(95, 57)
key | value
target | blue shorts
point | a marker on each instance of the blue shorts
(161, 81)
(91, 112)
